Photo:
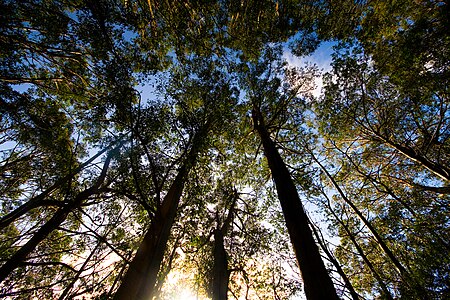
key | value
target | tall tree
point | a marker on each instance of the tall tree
(198, 102)
(317, 282)
(380, 134)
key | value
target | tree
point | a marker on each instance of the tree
(318, 284)
(198, 102)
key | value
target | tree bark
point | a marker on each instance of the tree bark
(220, 269)
(317, 282)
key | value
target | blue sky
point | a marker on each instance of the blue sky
(321, 57)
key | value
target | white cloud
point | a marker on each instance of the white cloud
(321, 58)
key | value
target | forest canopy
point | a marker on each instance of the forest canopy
(149, 148)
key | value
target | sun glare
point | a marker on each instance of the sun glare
(185, 294)
(177, 287)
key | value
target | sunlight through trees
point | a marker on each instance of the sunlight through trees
(224, 149)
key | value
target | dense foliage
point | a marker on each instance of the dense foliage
(149, 145)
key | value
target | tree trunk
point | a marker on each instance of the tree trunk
(408, 279)
(317, 283)
(12, 263)
(366, 222)
(140, 279)
(69, 287)
(58, 218)
(220, 269)
(336, 264)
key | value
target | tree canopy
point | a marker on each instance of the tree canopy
(150, 147)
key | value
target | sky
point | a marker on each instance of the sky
(321, 57)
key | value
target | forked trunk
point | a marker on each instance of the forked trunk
(140, 279)
(335, 263)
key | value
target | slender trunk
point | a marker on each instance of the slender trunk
(12, 263)
(366, 222)
(68, 288)
(167, 268)
(58, 218)
(407, 277)
(374, 182)
(336, 264)
(369, 264)
(220, 269)
(317, 283)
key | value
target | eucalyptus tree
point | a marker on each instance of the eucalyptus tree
(45, 244)
(51, 91)
(203, 95)
(390, 226)
(220, 272)
(384, 120)
(273, 105)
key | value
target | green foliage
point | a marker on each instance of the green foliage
(157, 80)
